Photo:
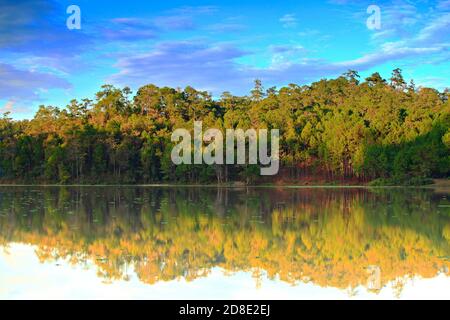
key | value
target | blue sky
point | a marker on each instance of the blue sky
(212, 45)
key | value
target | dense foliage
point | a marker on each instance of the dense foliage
(334, 129)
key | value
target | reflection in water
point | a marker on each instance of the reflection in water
(341, 238)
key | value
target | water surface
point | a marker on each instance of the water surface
(198, 242)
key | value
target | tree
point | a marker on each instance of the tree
(375, 79)
(397, 81)
(257, 92)
(352, 76)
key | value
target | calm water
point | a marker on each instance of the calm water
(189, 242)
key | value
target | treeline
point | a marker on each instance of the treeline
(344, 128)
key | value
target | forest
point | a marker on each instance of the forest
(348, 129)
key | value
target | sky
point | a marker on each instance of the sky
(214, 46)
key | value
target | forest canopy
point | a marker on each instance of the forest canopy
(346, 129)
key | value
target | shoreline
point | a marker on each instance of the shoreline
(438, 183)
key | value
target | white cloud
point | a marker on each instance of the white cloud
(8, 107)
(444, 5)
(24, 85)
(436, 30)
(289, 20)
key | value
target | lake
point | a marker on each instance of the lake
(225, 243)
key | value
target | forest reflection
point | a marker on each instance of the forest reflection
(342, 238)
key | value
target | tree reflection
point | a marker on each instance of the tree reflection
(332, 237)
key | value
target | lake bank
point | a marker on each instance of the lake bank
(437, 183)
